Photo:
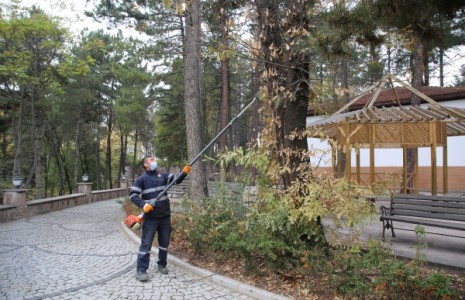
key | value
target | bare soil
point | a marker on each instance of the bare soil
(281, 284)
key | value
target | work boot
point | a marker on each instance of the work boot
(142, 275)
(162, 270)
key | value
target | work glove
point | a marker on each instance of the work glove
(186, 169)
(147, 208)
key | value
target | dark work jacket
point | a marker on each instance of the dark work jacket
(147, 187)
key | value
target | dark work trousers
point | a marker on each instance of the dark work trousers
(150, 227)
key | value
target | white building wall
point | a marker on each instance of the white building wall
(393, 157)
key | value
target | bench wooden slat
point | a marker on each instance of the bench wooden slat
(432, 209)
(430, 197)
(425, 214)
(422, 203)
(428, 222)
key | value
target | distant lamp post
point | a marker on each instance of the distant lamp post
(85, 177)
(123, 177)
(17, 181)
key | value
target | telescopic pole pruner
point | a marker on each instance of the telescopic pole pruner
(132, 220)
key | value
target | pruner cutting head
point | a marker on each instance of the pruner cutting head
(133, 222)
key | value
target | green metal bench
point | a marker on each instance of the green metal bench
(438, 211)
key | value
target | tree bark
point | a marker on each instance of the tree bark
(287, 78)
(5, 157)
(225, 93)
(192, 100)
(441, 67)
(46, 174)
(56, 154)
(134, 159)
(123, 151)
(18, 136)
(98, 169)
(426, 70)
(37, 132)
(77, 152)
(108, 180)
(417, 82)
(344, 72)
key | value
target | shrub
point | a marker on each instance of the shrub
(281, 230)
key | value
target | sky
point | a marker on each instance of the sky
(73, 14)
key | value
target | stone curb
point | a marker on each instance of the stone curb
(226, 282)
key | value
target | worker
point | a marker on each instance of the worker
(157, 219)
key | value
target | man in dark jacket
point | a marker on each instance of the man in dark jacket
(157, 219)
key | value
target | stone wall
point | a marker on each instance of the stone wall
(14, 205)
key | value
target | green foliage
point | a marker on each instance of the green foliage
(170, 140)
(437, 286)
(228, 226)
(278, 226)
(310, 197)
(377, 273)
(280, 231)
(420, 232)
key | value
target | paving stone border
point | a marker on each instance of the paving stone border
(223, 281)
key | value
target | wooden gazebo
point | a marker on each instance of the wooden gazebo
(392, 127)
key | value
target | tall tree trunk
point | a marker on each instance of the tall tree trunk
(344, 72)
(254, 120)
(287, 77)
(418, 68)
(375, 76)
(192, 100)
(77, 151)
(17, 125)
(417, 82)
(122, 156)
(46, 174)
(55, 148)
(66, 170)
(56, 155)
(441, 67)
(389, 58)
(225, 93)
(5, 157)
(98, 168)
(225, 112)
(108, 179)
(37, 131)
(426, 69)
(134, 159)
(287, 85)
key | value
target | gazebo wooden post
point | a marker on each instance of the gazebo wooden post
(416, 171)
(348, 170)
(445, 173)
(434, 168)
(404, 169)
(357, 159)
(371, 132)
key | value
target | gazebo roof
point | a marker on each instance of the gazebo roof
(453, 116)
(406, 127)
(396, 125)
